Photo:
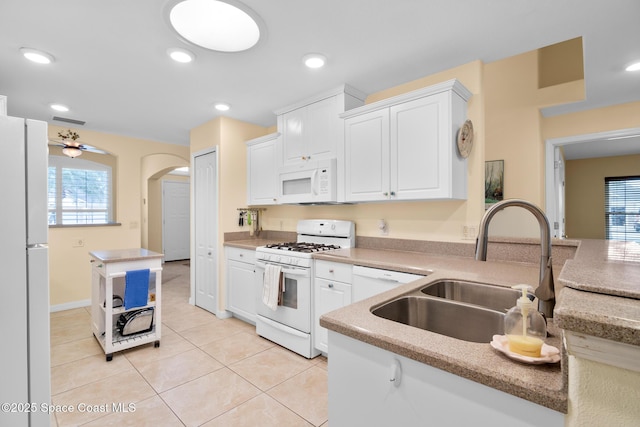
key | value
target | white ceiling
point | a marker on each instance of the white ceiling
(111, 65)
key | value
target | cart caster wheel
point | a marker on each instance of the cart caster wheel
(156, 344)
(109, 357)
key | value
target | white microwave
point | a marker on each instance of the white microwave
(308, 182)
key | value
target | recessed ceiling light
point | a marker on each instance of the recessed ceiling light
(221, 106)
(181, 55)
(59, 107)
(314, 60)
(222, 26)
(634, 67)
(37, 56)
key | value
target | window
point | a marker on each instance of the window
(80, 192)
(622, 208)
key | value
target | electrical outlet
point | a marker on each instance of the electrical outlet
(469, 232)
(77, 242)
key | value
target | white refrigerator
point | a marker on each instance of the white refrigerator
(25, 385)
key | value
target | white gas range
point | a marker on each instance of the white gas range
(290, 323)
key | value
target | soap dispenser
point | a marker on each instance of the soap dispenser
(524, 326)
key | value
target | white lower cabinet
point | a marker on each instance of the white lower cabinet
(241, 295)
(374, 387)
(332, 290)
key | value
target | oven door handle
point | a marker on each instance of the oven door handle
(290, 271)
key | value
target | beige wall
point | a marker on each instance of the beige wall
(69, 269)
(584, 183)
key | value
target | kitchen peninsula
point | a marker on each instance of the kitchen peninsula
(597, 267)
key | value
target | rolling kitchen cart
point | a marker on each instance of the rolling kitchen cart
(108, 271)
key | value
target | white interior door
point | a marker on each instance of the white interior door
(175, 220)
(205, 200)
(558, 224)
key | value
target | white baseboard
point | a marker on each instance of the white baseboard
(69, 305)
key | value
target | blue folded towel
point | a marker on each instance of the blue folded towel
(136, 288)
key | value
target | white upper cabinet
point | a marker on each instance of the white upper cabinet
(311, 132)
(262, 161)
(312, 129)
(404, 148)
(367, 156)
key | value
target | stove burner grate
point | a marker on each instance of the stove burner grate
(302, 247)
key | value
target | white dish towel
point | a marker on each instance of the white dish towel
(271, 286)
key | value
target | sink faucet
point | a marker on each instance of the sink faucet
(545, 291)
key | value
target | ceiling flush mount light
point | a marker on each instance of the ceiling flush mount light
(59, 107)
(633, 67)
(181, 55)
(221, 106)
(314, 60)
(227, 26)
(36, 56)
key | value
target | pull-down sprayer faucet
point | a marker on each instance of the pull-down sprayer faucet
(545, 291)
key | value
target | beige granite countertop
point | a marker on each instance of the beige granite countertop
(541, 384)
(249, 243)
(120, 255)
(598, 293)
(602, 298)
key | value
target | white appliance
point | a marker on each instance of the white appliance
(290, 324)
(24, 291)
(309, 182)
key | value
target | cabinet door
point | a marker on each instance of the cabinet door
(294, 147)
(321, 130)
(329, 295)
(241, 289)
(262, 174)
(367, 156)
(419, 149)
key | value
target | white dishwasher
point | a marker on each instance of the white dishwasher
(367, 281)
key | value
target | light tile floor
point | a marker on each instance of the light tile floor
(207, 372)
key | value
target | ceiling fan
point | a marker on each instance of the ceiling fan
(71, 146)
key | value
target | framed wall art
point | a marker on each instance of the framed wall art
(493, 182)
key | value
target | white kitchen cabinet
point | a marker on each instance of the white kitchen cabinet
(367, 156)
(262, 167)
(332, 290)
(375, 387)
(367, 281)
(312, 129)
(404, 147)
(241, 290)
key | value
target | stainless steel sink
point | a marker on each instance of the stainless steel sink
(490, 296)
(457, 320)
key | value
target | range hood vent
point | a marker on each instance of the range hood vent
(72, 121)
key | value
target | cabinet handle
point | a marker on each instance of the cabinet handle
(385, 194)
(330, 285)
(331, 270)
(393, 193)
(241, 255)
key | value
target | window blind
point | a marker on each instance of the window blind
(622, 208)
